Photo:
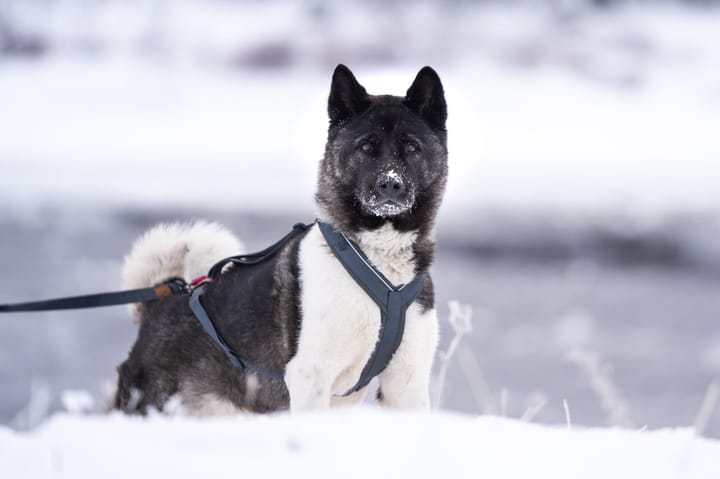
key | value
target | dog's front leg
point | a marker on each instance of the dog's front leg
(405, 383)
(308, 385)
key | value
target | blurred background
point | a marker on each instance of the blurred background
(580, 229)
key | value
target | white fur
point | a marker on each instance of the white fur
(341, 324)
(177, 250)
(195, 402)
(390, 251)
(209, 404)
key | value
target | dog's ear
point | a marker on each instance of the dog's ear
(426, 97)
(347, 97)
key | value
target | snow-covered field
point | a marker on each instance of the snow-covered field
(563, 127)
(349, 443)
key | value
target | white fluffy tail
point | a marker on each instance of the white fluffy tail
(177, 251)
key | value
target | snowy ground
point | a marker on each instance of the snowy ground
(582, 213)
(354, 443)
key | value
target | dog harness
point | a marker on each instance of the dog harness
(392, 301)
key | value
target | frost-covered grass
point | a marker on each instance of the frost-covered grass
(348, 443)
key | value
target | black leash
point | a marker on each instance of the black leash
(142, 295)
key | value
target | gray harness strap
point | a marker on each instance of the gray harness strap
(391, 300)
(204, 319)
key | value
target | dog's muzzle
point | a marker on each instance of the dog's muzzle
(390, 195)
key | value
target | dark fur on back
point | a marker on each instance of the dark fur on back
(257, 308)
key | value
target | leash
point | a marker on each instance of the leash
(392, 300)
(142, 295)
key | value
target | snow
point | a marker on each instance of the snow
(77, 401)
(348, 443)
(164, 105)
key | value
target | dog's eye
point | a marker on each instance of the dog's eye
(410, 148)
(366, 147)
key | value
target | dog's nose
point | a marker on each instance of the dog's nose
(390, 186)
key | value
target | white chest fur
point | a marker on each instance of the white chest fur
(340, 323)
(390, 251)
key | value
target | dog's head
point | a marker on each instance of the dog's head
(386, 156)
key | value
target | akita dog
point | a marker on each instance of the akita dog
(300, 314)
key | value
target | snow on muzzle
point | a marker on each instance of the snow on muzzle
(389, 194)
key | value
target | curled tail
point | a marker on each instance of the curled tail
(177, 250)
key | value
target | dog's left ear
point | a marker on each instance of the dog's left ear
(426, 97)
(347, 97)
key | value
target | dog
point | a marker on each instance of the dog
(381, 182)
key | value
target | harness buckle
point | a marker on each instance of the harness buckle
(198, 281)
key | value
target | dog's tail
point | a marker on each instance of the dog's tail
(175, 250)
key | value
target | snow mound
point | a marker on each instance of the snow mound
(348, 443)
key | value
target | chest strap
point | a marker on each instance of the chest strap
(391, 300)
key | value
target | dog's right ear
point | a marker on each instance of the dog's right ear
(426, 97)
(347, 97)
